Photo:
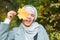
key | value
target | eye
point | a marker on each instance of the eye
(32, 15)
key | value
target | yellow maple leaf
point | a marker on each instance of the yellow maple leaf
(22, 13)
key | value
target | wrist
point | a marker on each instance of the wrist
(7, 20)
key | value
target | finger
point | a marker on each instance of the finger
(13, 12)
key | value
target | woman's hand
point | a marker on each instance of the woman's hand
(11, 14)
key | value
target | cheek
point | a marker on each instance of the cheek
(32, 18)
(28, 23)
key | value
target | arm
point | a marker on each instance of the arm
(3, 30)
(4, 33)
(5, 25)
(12, 33)
(42, 33)
(46, 37)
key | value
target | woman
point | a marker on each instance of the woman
(28, 29)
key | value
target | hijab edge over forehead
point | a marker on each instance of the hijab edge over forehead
(30, 7)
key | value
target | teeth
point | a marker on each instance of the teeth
(28, 20)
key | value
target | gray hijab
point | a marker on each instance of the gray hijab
(30, 7)
(31, 31)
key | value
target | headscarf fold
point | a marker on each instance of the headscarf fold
(31, 31)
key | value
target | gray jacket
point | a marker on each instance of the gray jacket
(18, 33)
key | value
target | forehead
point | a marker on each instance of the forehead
(30, 12)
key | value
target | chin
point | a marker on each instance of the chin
(27, 25)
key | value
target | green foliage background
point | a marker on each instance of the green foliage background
(48, 14)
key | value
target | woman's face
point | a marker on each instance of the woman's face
(29, 19)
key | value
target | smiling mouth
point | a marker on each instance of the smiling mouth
(28, 21)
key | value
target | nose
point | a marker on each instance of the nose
(29, 16)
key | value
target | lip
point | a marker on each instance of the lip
(28, 21)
